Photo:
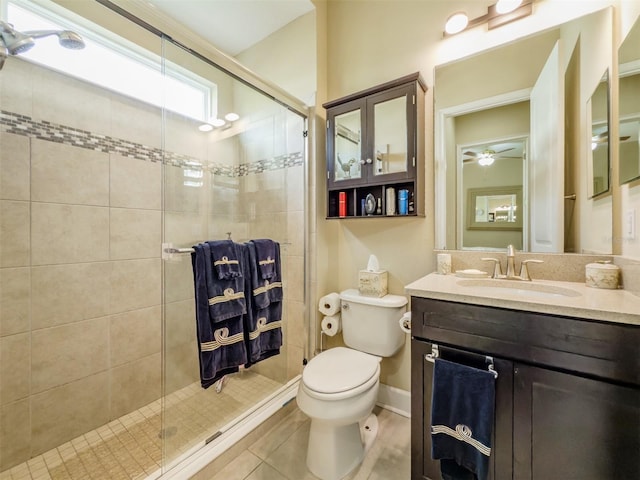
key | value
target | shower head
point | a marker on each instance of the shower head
(19, 42)
(66, 38)
(15, 42)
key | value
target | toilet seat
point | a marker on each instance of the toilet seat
(340, 373)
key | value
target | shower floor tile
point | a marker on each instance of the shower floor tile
(131, 447)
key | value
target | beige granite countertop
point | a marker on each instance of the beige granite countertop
(619, 306)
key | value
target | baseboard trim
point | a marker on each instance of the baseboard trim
(394, 399)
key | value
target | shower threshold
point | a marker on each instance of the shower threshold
(131, 447)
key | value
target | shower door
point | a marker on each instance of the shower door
(234, 169)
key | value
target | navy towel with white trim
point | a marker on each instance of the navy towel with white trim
(462, 416)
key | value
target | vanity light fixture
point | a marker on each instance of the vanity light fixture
(456, 23)
(501, 13)
(226, 122)
(506, 6)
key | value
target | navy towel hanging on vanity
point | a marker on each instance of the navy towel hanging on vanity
(462, 416)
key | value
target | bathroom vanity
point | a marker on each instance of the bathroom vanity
(568, 385)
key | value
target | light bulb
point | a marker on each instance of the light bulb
(506, 6)
(456, 23)
(218, 122)
(205, 127)
(231, 117)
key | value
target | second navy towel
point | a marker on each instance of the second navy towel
(462, 416)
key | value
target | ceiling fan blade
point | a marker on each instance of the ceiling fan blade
(625, 138)
(505, 150)
(470, 154)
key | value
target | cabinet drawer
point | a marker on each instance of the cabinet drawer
(601, 349)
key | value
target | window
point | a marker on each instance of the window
(117, 65)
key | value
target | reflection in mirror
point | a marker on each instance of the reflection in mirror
(629, 105)
(492, 184)
(348, 148)
(390, 120)
(534, 88)
(598, 148)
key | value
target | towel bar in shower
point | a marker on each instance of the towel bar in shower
(435, 353)
(168, 250)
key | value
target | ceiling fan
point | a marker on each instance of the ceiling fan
(485, 157)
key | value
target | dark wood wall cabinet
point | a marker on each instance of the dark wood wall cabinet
(567, 393)
(375, 151)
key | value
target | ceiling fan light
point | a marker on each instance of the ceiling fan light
(456, 23)
(506, 6)
(486, 159)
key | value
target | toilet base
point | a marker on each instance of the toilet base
(334, 451)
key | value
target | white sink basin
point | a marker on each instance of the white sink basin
(516, 287)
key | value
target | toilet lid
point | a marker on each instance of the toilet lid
(339, 369)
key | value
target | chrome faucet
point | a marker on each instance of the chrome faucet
(511, 256)
(511, 268)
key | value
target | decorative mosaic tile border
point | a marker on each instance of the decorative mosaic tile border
(23, 125)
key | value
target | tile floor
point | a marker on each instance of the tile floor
(131, 447)
(280, 454)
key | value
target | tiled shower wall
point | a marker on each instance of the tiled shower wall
(81, 274)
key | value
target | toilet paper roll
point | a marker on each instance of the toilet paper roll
(405, 322)
(329, 304)
(331, 325)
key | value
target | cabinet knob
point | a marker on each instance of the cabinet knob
(369, 160)
(362, 162)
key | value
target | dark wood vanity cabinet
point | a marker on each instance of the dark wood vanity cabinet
(375, 149)
(567, 393)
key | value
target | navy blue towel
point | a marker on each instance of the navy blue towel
(226, 296)
(266, 256)
(462, 416)
(221, 343)
(264, 291)
(224, 255)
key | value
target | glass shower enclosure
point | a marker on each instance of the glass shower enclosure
(99, 373)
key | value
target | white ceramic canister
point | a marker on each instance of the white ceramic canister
(602, 275)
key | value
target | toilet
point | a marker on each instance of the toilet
(339, 386)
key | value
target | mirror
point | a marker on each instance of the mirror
(534, 89)
(347, 146)
(598, 146)
(492, 179)
(629, 105)
(390, 133)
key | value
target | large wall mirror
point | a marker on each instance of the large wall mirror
(534, 92)
(629, 105)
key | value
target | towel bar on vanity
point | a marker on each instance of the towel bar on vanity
(435, 353)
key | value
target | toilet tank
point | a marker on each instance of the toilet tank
(371, 324)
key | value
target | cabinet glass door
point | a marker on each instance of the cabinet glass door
(390, 136)
(348, 146)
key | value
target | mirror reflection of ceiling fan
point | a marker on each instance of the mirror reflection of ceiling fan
(485, 157)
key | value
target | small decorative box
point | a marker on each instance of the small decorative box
(602, 275)
(372, 284)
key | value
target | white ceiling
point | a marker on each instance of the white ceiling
(233, 25)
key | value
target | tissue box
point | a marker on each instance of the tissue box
(372, 284)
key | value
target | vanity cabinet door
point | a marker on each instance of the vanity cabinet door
(422, 466)
(569, 427)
